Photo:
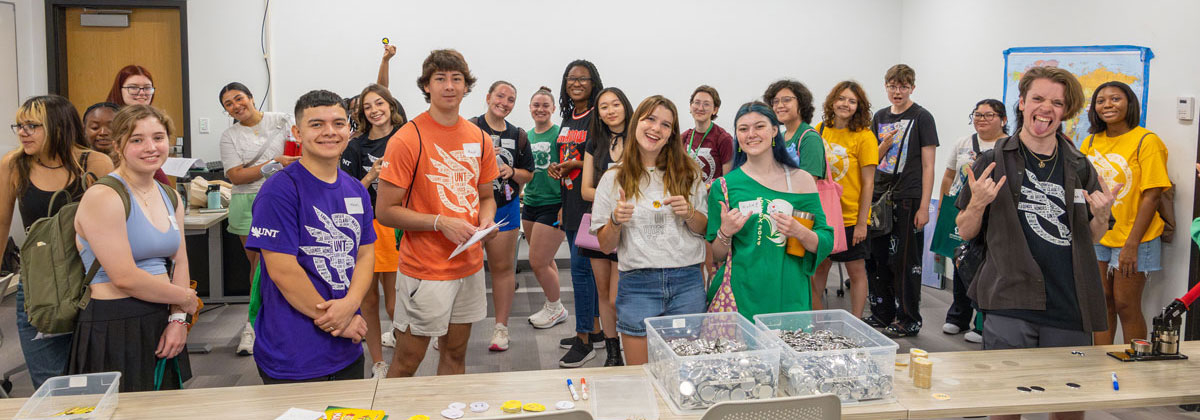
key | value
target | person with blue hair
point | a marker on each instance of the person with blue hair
(761, 205)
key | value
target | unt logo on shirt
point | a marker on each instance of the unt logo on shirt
(339, 248)
(1115, 170)
(455, 180)
(838, 159)
(261, 232)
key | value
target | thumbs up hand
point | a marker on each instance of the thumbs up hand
(624, 210)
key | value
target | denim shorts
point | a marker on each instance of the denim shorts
(651, 292)
(1149, 256)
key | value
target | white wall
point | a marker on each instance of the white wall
(957, 49)
(31, 48)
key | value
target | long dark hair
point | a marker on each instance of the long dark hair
(1133, 111)
(64, 133)
(778, 150)
(599, 130)
(398, 116)
(565, 104)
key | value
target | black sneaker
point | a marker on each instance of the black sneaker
(897, 330)
(874, 322)
(579, 354)
(614, 352)
(597, 340)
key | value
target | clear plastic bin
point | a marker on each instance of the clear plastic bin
(623, 397)
(854, 375)
(698, 382)
(62, 393)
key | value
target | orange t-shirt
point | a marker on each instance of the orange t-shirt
(454, 163)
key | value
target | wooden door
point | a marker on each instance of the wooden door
(94, 55)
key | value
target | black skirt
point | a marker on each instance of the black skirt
(121, 335)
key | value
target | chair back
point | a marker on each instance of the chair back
(814, 407)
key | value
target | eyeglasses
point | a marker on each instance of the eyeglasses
(983, 117)
(133, 90)
(782, 100)
(580, 80)
(702, 105)
(28, 128)
(898, 88)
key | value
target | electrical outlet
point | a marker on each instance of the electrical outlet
(204, 126)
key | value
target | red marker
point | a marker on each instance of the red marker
(585, 387)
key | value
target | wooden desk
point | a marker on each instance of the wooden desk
(243, 402)
(985, 382)
(197, 223)
(404, 397)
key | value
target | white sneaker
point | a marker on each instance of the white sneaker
(951, 329)
(246, 346)
(973, 337)
(499, 338)
(379, 370)
(389, 339)
(550, 315)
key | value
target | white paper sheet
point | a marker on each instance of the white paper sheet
(300, 414)
(479, 234)
(179, 166)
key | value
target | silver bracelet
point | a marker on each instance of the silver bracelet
(435, 220)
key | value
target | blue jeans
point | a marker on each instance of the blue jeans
(587, 301)
(652, 292)
(45, 358)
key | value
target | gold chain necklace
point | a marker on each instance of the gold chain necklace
(1041, 162)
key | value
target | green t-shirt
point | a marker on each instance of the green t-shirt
(766, 279)
(1196, 231)
(543, 190)
(807, 152)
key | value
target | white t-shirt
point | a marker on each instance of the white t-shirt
(656, 237)
(964, 155)
(240, 143)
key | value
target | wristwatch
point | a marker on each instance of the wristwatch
(270, 167)
(180, 317)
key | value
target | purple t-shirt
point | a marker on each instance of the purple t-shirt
(323, 228)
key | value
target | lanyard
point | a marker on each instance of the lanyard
(693, 136)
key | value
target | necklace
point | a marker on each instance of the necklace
(1041, 162)
(60, 165)
(143, 196)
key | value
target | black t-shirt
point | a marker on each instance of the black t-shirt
(572, 141)
(916, 130)
(361, 153)
(1042, 210)
(512, 149)
(601, 151)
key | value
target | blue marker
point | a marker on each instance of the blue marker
(1116, 386)
(571, 386)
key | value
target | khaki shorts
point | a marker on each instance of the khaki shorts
(428, 307)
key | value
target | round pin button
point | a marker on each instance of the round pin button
(458, 406)
(452, 414)
(419, 417)
(1024, 389)
(534, 407)
(564, 405)
(1036, 388)
(479, 407)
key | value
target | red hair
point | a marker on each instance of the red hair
(114, 94)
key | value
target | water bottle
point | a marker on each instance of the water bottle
(214, 196)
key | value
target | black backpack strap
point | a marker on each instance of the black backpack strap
(975, 143)
(412, 181)
(1137, 155)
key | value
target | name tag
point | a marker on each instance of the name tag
(508, 143)
(750, 207)
(1080, 197)
(472, 150)
(354, 205)
(780, 207)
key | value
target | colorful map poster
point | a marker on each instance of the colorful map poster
(1092, 65)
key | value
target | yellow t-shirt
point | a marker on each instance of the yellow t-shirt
(1117, 161)
(846, 153)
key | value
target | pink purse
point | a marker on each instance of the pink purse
(831, 203)
(584, 238)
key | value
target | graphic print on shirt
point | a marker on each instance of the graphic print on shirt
(1043, 205)
(456, 171)
(1113, 169)
(338, 247)
(704, 157)
(503, 157)
(652, 226)
(570, 148)
(838, 159)
(893, 162)
(541, 155)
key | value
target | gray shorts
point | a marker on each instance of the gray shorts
(430, 306)
(1002, 332)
